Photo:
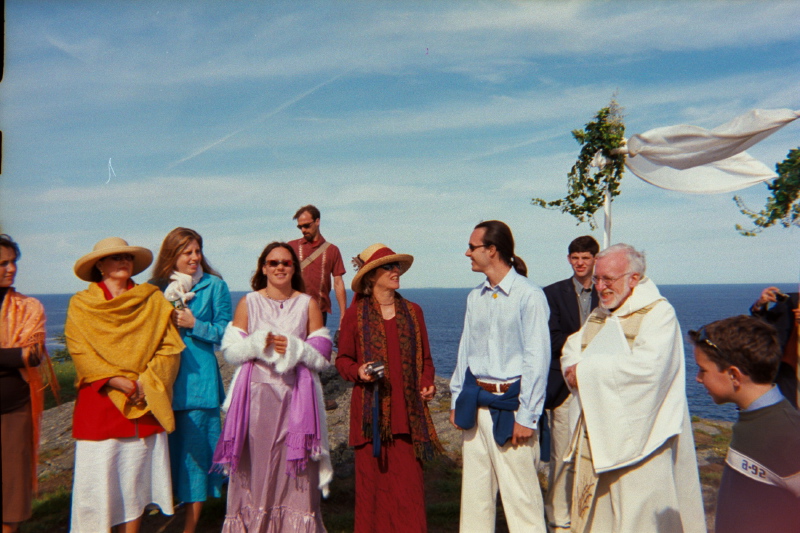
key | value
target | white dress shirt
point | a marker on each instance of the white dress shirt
(506, 337)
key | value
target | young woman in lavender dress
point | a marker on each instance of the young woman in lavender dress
(275, 442)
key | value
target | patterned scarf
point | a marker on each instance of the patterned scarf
(372, 342)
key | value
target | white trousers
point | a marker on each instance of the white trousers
(489, 467)
(559, 486)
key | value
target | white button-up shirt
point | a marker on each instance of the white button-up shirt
(506, 337)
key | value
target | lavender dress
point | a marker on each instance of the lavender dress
(262, 498)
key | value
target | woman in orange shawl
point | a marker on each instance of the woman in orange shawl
(126, 351)
(22, 348)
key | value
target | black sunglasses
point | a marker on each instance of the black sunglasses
(305, 226)
(275, 264)
(389, 266)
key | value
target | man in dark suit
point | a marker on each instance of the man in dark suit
(783, 313)
(571, 300)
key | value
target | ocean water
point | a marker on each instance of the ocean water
(444, 309)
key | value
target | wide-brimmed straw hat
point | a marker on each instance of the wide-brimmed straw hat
(373, 257)
(142, 257)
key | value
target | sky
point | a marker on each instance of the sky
(405, 123)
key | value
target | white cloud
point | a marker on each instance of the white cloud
(406, 123)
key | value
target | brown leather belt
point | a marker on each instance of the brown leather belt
(495, 387)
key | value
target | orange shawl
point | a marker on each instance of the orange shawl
(22, 322)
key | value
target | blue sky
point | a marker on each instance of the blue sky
(404, 122)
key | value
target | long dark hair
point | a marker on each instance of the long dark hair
(259, 280)
(498, 234)
(174, 243)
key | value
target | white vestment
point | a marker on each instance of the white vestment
(634, 406)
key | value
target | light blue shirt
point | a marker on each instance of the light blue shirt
(771, 397)
(505, 337)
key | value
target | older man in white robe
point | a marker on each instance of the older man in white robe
(636, 468)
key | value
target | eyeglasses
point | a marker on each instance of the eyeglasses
(275, 264)
(305, 226)
(390, 266)
(608, 281)
(120, 257)
(473, 247)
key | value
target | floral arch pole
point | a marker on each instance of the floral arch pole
(680, 158)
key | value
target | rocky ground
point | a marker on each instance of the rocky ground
(57, 445)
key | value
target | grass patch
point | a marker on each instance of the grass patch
(50, 512)
(721, 440)
(444, 515)
(65, 374)
(710, 477)
(339, 523)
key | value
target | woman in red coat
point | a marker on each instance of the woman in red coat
(390, 425)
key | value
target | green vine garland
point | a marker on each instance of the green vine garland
(587, 185)
(784, 205)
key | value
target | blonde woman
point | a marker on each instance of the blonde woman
(202, 311)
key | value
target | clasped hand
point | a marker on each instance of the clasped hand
(279, 343)
(133, 390)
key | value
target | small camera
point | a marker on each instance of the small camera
(781, 297)
(375, 370)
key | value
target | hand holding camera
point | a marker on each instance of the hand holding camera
(371, 371)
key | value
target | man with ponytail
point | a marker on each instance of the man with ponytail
(498, 386)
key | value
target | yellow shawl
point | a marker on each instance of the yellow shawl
(131, 335)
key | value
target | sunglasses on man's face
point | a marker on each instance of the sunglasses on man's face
(305, 226)
(275, 264)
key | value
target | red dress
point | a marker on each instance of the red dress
(389, 489)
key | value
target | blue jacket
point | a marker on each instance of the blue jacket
(199, 384)
(502, 407)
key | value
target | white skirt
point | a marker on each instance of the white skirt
(115, 479)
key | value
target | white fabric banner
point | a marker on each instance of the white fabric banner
(692, 159)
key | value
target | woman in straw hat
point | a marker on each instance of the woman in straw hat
(202, 311)
(22, 349)
(275, 439)
(390, 425)
(126, 351)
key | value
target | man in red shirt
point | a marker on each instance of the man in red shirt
(319, 261)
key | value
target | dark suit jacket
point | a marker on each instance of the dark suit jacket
(565, 319)
(781, 317)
